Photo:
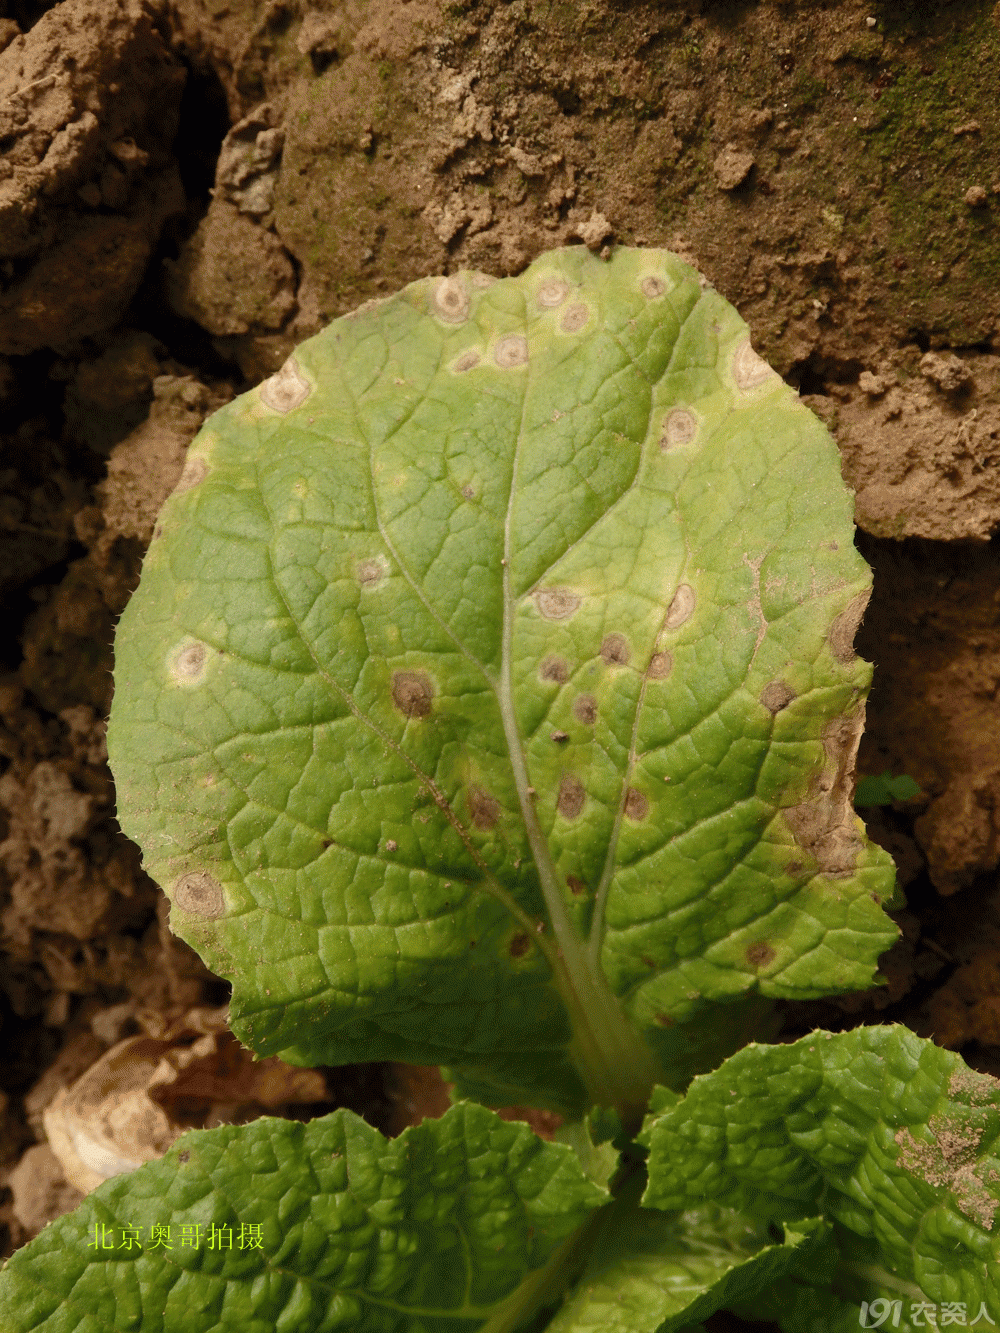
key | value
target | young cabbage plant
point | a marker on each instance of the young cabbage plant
(489, 700)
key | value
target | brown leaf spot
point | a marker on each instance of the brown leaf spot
(652, 287)
(370, 572)
(681, 608)
(615, 650)
(571, 796)
(451, 301)
(647, 961)
(195, 472)
(949, 1162)
(825, 824)
(467, 361)
(760, 954)
(286, 389)
(184, 1156)
(200, 894)
(575, 318)
(552, 292)
(844, 628)
(557, 603)
(585, 709)
(664, 1020)
(510, 351)
(484, 808)
(749, 369)
(576, 886)
(554, 668)
(636, 805)
(776, 695)
(412, 693)
(520, 945)
(660, 666)
(188, 666)
(678, 428)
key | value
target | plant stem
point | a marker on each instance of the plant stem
(617, 1067)
(546, 1284)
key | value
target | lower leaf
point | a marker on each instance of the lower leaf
(884, 1132)
(291, 1228)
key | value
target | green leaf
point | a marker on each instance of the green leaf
(887, 1134)
(489, 700)
(652, 1272)
(885, 789)
(430, 1231)
(838, 1287)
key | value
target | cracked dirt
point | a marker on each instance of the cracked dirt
(189, 187)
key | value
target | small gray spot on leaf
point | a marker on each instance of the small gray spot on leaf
(552, 292)
(652, 287)
(678, 428)
(371, 572)
(681, 608)
(510, 351)
(575, 318)
(557, 603)
(660, 666)
(467, 361)
(200, 894)
(845, 627)
(188, 665)
(195, 472)
(286, 389)
(451, 301)
(749, 369)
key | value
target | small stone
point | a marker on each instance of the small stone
(560, 736)
(391, 845)
(732, 168)
(871, 384)
(593, 231)
(947, 371)
(976, 196)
